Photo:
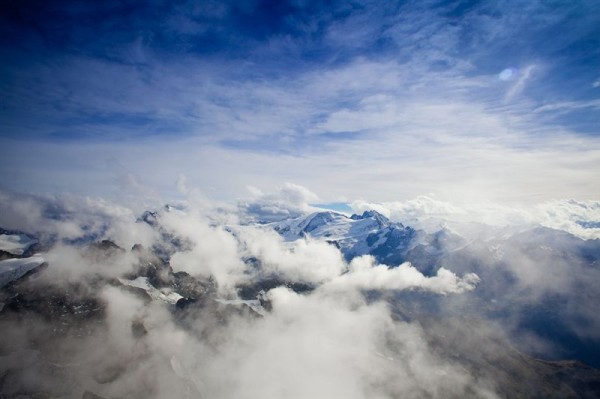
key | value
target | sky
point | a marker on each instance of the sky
(372, 101)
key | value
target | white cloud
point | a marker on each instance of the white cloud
(415, 208)
(319, 346)
(567, 106)
(181, 184)
(303, 260)
(519, 85)
(580, 218)
(365, 274)
(290, 200)
(71, 217)
(319, 263)
(213, 252)
(310, 344)
(446, 130)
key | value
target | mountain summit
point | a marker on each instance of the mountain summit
(370, 233)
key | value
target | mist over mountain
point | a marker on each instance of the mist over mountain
(179, 301)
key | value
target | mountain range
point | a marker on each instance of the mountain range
(535, 300)
(534, 281)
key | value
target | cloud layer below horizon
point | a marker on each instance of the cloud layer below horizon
(353, 323)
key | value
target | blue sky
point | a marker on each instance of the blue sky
(496, 100)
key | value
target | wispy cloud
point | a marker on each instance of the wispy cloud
(362, 96)
(519, 85)
(564, 107)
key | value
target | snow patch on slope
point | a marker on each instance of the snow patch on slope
(165, 295)
(16, 244)
(369, 233)
(14, 269)
(253, 304)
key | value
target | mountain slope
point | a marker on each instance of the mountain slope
(369, 233)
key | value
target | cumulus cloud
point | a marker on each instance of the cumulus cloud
(365, 274)
(319, 346)
(19, 212)
(304, 260)
(212, 251)
(580, 218)
(319, 263)
(290, 200)
(414, 208)
(70, 217)
(74, 265)
(307, 346)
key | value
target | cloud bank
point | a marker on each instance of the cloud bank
(328, 341)
(580, 218)
(313, 324)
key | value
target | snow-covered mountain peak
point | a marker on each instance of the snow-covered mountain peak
(372, 214)
(326, 224)
(356, 235)
(15, 244)
(151, 217)
(318, 220)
